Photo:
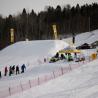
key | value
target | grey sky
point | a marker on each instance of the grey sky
(15, 6)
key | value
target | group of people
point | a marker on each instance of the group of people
(62, 56)
(68, 57)
(13, 70)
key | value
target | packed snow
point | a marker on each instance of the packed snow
(32, 52)
(87, 37)
(81, 82)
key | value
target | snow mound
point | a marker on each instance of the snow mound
(30, 51)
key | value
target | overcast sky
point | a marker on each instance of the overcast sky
(15, 6)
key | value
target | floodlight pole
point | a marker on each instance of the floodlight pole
(55, 31)
(12, 35)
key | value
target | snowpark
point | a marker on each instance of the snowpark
(49, 80)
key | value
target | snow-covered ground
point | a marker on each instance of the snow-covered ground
(81, 82)
(87, 37)
(30, 52)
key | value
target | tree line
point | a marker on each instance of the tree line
(68, 20)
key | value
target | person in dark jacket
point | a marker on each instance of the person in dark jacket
(13, 69)
(23, 67)
(70, 57)
(44, 59)
(62, 56)
(0, 74)
(57, 55)
(10, 71)
(17, 69)
(5, 71)
(75, 55)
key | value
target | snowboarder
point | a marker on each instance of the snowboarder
(17, 69)
(23, 67)
(5, 71)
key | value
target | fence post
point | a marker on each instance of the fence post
(89, 58)
(62, 71)
(78, 63)
(83, 61)
(53, 74)
(45, 78)
(9, 91)
(21, 86)
(70, 67)
(38, 81)
(30, 83)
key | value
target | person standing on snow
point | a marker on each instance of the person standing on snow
(10, 71)
(23, 67)
(13, 69)
(17, 69)
(5, 71)
(0, 74)
(45, 60)
(70, 57)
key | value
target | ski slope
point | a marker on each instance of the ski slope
(81, 82)
(32, 52)
(87, 37)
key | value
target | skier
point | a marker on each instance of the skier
(6, 70)
(17, 69)
(23, 67)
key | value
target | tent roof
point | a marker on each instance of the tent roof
(70, 51)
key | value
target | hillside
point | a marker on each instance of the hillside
(87, 37)
(32, 52)
(79, 81)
